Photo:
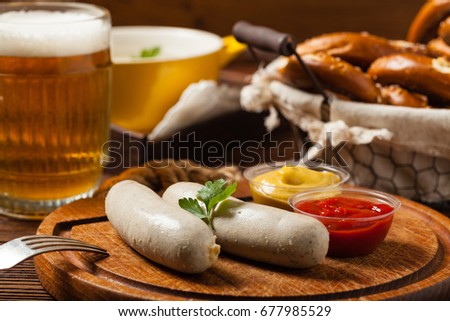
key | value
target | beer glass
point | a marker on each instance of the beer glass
(55, 75)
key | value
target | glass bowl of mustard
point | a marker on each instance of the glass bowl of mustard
(273, 183)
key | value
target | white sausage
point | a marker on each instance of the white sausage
(262, 233)
(160, 231)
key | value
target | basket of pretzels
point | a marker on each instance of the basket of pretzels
(387, 103)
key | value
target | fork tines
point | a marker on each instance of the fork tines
(36, 242)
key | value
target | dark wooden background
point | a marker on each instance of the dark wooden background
(302, 18)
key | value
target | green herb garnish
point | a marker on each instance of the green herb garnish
(207, 198)
(149, 52)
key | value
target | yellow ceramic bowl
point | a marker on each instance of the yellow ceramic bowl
(145, 88)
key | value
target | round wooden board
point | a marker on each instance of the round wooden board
(412, 263)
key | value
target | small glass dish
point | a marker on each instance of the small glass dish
(277, 193)
(358, 220)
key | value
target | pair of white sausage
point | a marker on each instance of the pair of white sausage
(262, 233)
(160, 230)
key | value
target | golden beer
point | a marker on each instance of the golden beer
(54, 108)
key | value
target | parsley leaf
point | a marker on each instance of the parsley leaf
(223, 195)
(210, 195)
(149, 52)
(193, 206)
(209, 191)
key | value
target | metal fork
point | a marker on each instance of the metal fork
(22, 248)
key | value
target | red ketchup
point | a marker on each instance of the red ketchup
(356, 226)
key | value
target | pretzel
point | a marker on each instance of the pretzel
(397, 96)
(426, 23)
(444, 30)
(335, 74)
(359, 49)
(438, 48)
(294, 75)
(416, 73)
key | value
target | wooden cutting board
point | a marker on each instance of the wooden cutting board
(412, 263)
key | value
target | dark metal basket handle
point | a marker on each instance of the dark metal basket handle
(264, 38)
(270, 40)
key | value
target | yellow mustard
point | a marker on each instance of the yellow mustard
(275, 187)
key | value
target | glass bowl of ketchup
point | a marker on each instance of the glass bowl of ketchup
(358, 220)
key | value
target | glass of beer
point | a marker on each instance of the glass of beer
(55, 73)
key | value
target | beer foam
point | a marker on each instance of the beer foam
(43, 33)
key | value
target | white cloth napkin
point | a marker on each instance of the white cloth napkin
(199, 103)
